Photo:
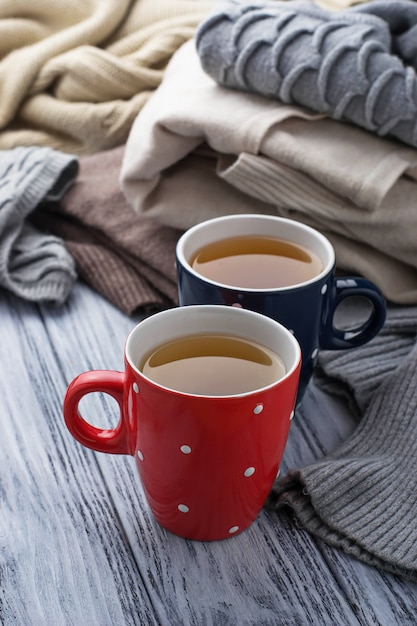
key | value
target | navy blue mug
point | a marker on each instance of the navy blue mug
(306, 308)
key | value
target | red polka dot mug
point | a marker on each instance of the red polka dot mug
(206, 460)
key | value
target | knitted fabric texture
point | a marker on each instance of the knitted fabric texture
(198, 150)
(35, 266)
(357, 65)
(126, 258)
(74, 75)
(362, 498)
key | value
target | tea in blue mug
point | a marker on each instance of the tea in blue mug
(281, 268)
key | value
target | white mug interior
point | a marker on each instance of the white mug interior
(179, 322)
(220, 228)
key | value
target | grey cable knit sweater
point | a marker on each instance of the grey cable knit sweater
(362, 498)
(34, 265)
(357, 65)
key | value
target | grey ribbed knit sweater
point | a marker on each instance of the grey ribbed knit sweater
(34, 265)
(362, 498)
(357, 65)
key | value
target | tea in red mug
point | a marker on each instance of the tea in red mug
(212, 365)
(208, 455)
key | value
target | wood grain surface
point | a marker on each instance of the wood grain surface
(78, 543)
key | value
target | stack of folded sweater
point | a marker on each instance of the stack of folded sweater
(199, 149)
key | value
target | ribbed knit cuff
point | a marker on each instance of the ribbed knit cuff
(46, 172)
(33, 265)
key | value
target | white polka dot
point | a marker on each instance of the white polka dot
(314, 353)
(140, 455)
(135, 388)
(185, 449)
(291, 331)
(249, 471)
(324, 289)
(234, 529)
(237, 305)
(258, 409)
(292, 415)
(183, 508)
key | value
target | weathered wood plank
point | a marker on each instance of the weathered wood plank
(65, 556)
(78, 543)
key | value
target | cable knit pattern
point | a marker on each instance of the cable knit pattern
(355, 65)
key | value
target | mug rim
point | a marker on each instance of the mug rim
(217, 309)
(304, 228)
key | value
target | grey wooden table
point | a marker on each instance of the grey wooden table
(78, 544)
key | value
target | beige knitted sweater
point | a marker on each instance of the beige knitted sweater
(75, 73)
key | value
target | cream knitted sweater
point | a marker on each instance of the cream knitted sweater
(74, 74)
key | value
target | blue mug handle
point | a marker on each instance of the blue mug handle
(333, 338)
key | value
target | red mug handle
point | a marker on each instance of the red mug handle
(116, 440)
